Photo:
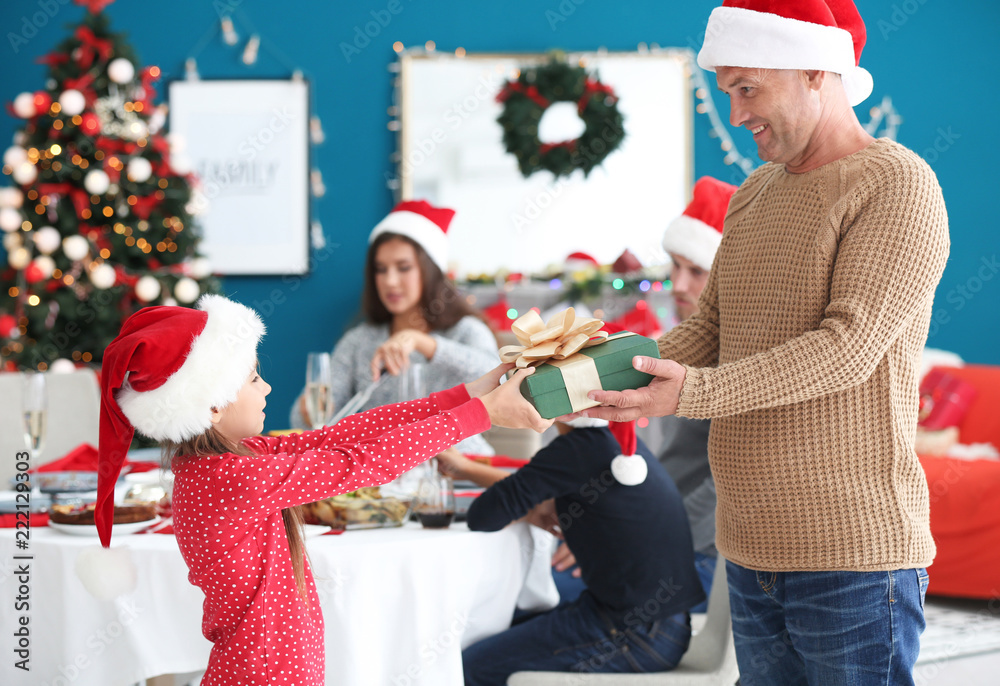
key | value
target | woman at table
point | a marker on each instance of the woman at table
(413, 315)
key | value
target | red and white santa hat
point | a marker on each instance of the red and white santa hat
(628, 468)
(422, 223)
(790, 34)
(696, 234)
(162, 376)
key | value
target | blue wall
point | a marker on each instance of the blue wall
(934, 58)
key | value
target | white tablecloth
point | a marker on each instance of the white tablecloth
(399, 605)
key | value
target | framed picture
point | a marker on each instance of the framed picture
(247, 141)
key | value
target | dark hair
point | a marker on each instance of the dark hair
(210, 443)
(441, 305)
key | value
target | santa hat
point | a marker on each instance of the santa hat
(422, 223)
(163, 375)
(696, 234)
(628, 468)
(790, 34)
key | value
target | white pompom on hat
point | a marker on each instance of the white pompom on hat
(828, 35)
(628, 468)
(697, 233)
(424, 224)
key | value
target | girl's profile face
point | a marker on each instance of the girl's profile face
(244, 417)
(397, 276)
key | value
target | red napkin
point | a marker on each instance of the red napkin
(9, 521)
(83, 458)
(505, 461)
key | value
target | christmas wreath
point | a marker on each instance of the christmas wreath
(525, 101)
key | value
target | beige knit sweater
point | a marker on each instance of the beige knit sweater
(805, 353)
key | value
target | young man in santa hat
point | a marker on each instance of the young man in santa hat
(805, 352)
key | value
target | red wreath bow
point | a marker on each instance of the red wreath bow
(590, 89)
(528, 91)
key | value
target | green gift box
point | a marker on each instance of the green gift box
(607, 365)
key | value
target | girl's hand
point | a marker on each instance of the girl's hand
(394, 354)
(507, 407)
(488, 381)
(452, 463)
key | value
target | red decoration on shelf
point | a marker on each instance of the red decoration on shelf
(626, 262)
(641, 320)
(496, 314)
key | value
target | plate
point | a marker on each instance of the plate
(91, 529)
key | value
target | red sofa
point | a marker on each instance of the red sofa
(965, 499)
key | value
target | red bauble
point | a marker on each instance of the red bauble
(42, 102)
(7, 325)
(33, 273)
(91, 124)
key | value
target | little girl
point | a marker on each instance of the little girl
(188, 379)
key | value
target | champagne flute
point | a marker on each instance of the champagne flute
(319, 389)
(34, 402)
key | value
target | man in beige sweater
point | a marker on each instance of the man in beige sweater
(805, 353)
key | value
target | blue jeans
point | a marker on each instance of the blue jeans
(705, 566)
(826, 628)
(579, 637)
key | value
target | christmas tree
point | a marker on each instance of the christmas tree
(99, 221)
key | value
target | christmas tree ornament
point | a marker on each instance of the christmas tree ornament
(8, 326)
(12, 241)
(139, 169)
(14, 155)
(147, 289)
(72, 102)
(25, 173)
(11, 197)
(628, 468)
(103, 276)
(19, 258)
(526, 100)
(47, 239)
(62, 366)
(45, 265)
(24, 105)
(121, 71)
(96, 182)
(186, 290)
(75, 247)
(43, 101)
(199, 268)
(10, 219)
(90, 123)
(181, 164)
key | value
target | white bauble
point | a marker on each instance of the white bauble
(75, 247)
(12, 241)
(46, 265)
(137, 130)
(139, 169)
(72, 102)
(62, 366)
(170, 302)
(19, 258)
(177, 143)
(181, 164)
(200, 268)
(11, 197)
(10, 219)
(24, 105)
(15, 155)
(47, 239)
(103, 276)
(121, 70)
(96, 182)
(25, 173)
(187, 290)
(147, 289)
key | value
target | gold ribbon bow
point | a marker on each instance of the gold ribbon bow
(563, 335)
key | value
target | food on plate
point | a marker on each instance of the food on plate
(364, 508)
(84, 514)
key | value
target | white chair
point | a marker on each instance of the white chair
(709, 661)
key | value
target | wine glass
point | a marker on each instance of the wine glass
(319, 389)
(412, 384)
(34, 403)
(435, 501)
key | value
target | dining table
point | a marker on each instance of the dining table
(399, 605)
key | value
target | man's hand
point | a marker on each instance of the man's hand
(488, 381)
(563, 559)
(658, 399)
(543, 515)
(507, 407)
